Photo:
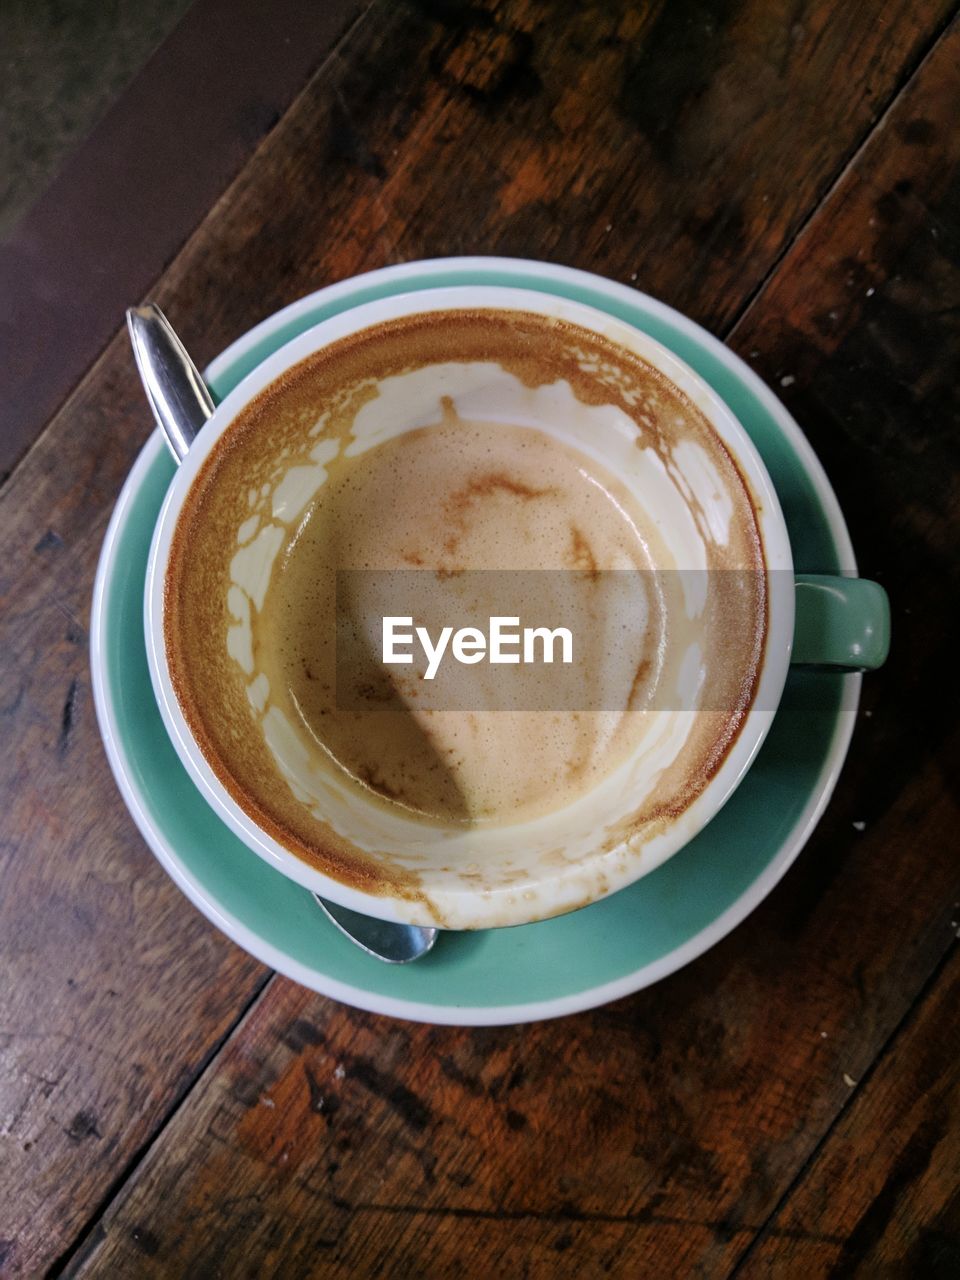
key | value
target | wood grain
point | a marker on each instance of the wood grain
(115, 991)
(677, 146)
(883, 1198)
(656, 1134)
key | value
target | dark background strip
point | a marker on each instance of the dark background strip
(128, 197)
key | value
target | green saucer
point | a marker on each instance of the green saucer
(577, 961)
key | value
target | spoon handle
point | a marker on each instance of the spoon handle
(177, 394)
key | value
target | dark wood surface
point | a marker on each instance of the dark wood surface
(789, 175)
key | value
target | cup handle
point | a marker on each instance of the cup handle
(842, 624)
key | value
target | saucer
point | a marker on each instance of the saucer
(554, 967)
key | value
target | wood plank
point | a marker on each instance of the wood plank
(440, 128)
(455, 128)
(125, 201)
(114, 993)
(658, 1135)
(883, 1196)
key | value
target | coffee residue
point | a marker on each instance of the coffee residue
(451, 497)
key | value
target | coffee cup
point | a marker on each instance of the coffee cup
(428, 450)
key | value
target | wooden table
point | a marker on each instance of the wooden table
(788, 173)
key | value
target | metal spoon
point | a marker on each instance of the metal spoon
(389, 942)
(181, 405)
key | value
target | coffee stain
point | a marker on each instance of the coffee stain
(485, 486)
(721, 234)
(488, 67)
(918, 132)
(935, 1251)
(145, 1240)
(301, 1034)
(51, 541)
(507, 1081)
(409, 1106)
(12, 702)
(530, 183)
(462, 504)
(640, 678)
(665, 81)
(581, 556)
(322, 1101)
(457, 16)
(346, 143)
(68, 717)
(248, 1091)
(371, 779)
(380, 692)
(85, 1124)
(453, 1071)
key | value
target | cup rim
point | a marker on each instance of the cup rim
(483, 909)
